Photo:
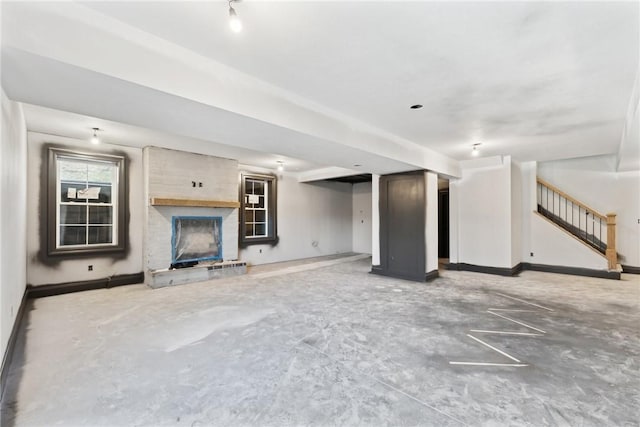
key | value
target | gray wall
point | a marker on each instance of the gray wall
(307, 212)
(42, 270)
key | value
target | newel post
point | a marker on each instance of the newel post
(612, 254)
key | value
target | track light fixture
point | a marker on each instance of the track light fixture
(94, 139)
(234, 21)
(475, 151)
(280, 166)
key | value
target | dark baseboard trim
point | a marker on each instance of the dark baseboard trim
(85, 285)
(629, 269)
(376, 269)
(11, 344)
(575, 271)
(483, 269)
(431, 276)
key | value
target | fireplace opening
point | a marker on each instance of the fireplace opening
(195, 239)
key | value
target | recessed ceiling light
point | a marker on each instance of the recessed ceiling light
(416, 106)
(475, 152)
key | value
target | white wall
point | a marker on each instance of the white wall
(361, 217)
(42, 270)
(516, 213)
(13, 210)
(375, 219)
(318, 212)
(480, 213)
(553, 246)
(595, 182)
(528, 172)
(431, 221)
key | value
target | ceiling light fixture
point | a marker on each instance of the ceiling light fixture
(280, 165)
(475, 152)
(94, 139)
(234, 21)
(416, 106)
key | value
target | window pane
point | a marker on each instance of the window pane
(248, 230)
(260, 203)
(72, 170)
(258, 187)
(69, 190)
(100, 214)
(248, 186)
(73, 235)
(100, 173)
(100, 234)
(104, 195)
(73, 214)
(261, 216)
(261, 230)
(248, 216)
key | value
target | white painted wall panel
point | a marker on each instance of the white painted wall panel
(431, 227)
(483, 214)
(553, 246)
(375, 219)
(362, 217)
(13, 212)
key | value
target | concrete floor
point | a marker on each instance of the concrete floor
(333, 346)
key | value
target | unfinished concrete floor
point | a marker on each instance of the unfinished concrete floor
(333, 346)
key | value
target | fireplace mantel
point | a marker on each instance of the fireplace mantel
(198, 203)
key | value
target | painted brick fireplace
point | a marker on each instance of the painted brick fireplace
(185, 184)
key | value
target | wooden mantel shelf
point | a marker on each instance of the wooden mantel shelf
(198, 203)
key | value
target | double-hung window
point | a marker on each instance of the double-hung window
(86, 200)
(258, 202)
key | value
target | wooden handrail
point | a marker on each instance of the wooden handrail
(610, 220)
(571, 199)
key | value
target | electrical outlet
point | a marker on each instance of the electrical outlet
(90, 267)
(531, 253)
(260, 250)
(200, 184)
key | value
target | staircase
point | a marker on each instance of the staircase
(592, 228)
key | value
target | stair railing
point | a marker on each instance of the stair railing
(587, 224)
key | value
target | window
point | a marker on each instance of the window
(86, 203)
(258, 201)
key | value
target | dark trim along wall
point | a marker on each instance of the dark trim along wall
(376, 269)
(575, 271)
(629, 269)
(482, 269)
(11, 344)
(85, 285)
(57, 289)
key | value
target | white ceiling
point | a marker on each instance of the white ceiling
(331, 82)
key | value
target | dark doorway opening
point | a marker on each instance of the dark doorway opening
(443, 223)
